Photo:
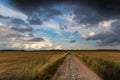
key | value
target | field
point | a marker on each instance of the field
(42, 65)
(29, 65)
(113, 56)
(105, 63)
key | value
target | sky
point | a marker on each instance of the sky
(59, 24)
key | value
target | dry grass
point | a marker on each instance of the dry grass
(113, 56)
(29, 65)
(105, 64)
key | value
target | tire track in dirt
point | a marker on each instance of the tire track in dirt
(73, 69)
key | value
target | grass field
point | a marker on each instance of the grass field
(41, 65)
(113, 56)
(29, 65)
(105, 63)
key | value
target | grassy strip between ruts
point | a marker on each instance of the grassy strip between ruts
(107, 70)
(36, 71)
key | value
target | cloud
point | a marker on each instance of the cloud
(72, 41)
(7, 34)
(26, 29)
(89, 36)
(106, 24)
(58, 47)
(92, 34)
(31, 45)
(84, 11)
(37, 39)
(87, 15)
(96, 20)
(14, 39)
(16, 21)
(107, 37)
(35, 21)
(107, 4)
(3, 17)
(7, 12)
(44, 13)
(63, 27)
(51, 24)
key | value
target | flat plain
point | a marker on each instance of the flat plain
(29, 65)
(46, 65)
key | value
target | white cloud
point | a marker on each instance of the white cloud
(92, 34)
(11, 39)
(84, 36)
(7, 12)
(51, 25)
(101, 27)
(7, 34)
(69, 17)
(1, 24)
(106, 24)
(58, 47)
(87, 30)
(31, 45)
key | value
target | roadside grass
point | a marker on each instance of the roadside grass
(113, 56)
(30, 65)
(106, 69)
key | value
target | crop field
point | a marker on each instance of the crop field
(113, 56)
(105, 63)
(43, 65)
(29, 65)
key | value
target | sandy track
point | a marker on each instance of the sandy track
(73, 69)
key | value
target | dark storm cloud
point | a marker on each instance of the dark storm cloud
(85, 15)
(49, 12)
(26, 29)
(100, 4)
(42, 14)
(89, 12)
(37, 11)
(110, 37)
(32, 5)
(86, 11)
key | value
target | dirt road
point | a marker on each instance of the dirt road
(73, 69)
